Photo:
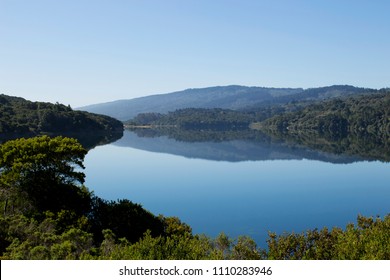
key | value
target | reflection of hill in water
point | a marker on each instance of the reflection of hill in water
(223, 146)
(88, 140)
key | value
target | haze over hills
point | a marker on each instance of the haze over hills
(226, 97)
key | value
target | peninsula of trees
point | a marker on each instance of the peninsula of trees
(23, 117)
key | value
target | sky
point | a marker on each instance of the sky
(82, 52)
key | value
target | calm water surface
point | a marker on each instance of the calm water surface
(242, 197)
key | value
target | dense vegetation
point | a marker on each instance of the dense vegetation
(41, 185)
(192, 118)
(304, 102)
(49, 214)
(213, 119)
(363, 115)
(355, 125)
(20, 116)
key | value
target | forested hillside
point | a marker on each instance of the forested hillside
(232, 97)
(300, 113)
(361, 115)
(215, 118)
(196, 118)
(21, 116)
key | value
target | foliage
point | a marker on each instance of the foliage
(369, 239)
(44, 172)
(30, 239)
(313, 244)
(196, 118)
(362, 115)
(25, 238)
(181, 246)
(161, 248)
(124, 218)
(21, 116)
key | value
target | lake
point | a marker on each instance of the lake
(239, 187)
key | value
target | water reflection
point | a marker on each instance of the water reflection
(88, 140)
(243, 182)
(238, 190)
(231, 146)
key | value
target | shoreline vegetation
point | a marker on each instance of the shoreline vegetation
(21, 116)
(146, 126)
(48, 213)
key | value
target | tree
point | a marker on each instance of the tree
(42, 173)
(124, 218)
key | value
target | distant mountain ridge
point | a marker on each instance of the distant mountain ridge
(226, 97)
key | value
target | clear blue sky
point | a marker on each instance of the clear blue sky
(80, 52)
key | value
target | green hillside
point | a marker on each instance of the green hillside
(232, 97)
(360, 115)
(21, 116)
